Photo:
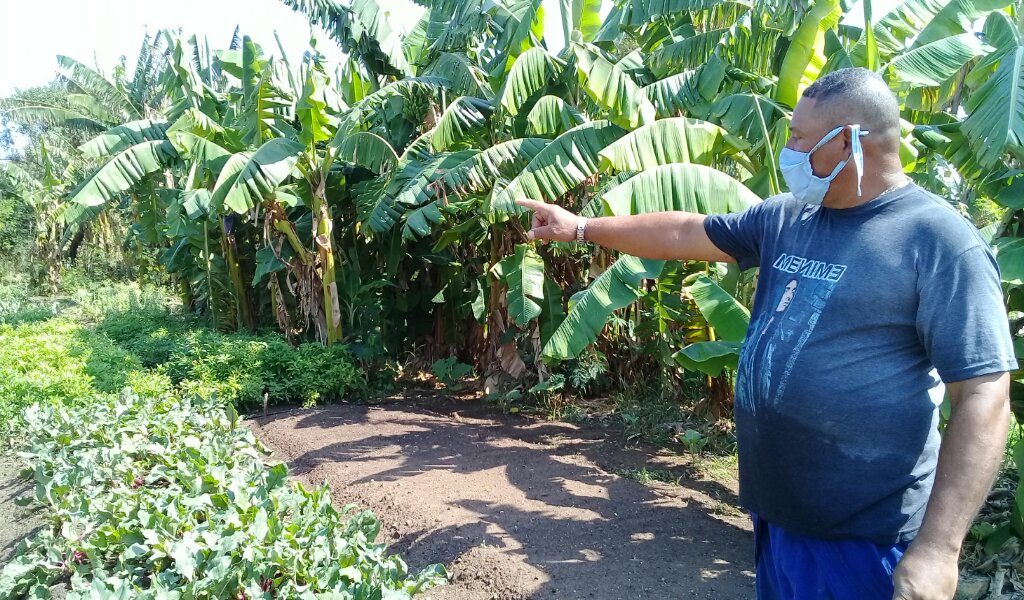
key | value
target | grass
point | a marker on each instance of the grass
(723, 467)
(647, 476)
(717, 468)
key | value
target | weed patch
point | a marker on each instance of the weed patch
(110, 337)
(647, 476)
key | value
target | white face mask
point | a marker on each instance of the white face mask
(803, 183)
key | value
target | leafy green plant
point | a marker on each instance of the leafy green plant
(729, 320)
(693, 440)
(151, 335)
(510, 401)
(242, 368)
(139, 344)
(94, 301)
(998, 524)
(450, 371)
(14, 293)
(57, 361)
(170, 498)
(587, 374)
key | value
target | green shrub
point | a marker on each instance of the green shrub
(139, 343)
(13, 287)
(450, 371)
(85, 300)
(153, 335)
(242, 368)
(169, 498)
(238, 367)
(37, 364)
(59, 362)
(16, 297)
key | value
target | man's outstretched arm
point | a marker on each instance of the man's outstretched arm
(662, 235)
(969, 458)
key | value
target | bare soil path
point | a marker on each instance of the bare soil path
(520, 508)
(15, 522)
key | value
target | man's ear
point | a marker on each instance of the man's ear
(848, 138)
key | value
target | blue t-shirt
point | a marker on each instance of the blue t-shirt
(860, 315)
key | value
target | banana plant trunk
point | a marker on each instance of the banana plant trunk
(243, 309)
(720, 396)
(280, 308)
(211, 305)
(49, 252)
(495, 319)
(282, 225)
(325, 250)
(720, 390)
(185, 293)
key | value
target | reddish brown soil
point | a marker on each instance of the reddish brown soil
(519, 508)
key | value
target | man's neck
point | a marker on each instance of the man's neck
(870, 189)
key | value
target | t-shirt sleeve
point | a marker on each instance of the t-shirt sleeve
(738, 234)
(961, 319)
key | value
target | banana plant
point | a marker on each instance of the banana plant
(41, 193)
(728, 321)
(266, 183)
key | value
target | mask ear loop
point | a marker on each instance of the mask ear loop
(858, 153)
(826, 139)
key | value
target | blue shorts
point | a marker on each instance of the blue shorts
(794, 567)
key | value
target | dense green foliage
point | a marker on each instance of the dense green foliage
(57, 361)
(104, 338)
(373, 202)
(238, 368)
(150, 491)
(170, 498)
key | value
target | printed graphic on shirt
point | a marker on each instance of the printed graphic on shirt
(805, 267)
(781, 329)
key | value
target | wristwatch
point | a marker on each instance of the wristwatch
(581, 227)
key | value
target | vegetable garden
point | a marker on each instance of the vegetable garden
(328, 229)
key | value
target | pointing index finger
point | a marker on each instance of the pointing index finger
(531, 205)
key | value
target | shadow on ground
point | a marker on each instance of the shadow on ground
(15, 522)
(520, 508)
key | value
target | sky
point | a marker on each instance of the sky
(98, 32)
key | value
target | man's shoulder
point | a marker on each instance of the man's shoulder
(782, 201)
(933, 219)
(779, 204)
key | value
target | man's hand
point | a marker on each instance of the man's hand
(550, 222)
(926, 574)
(673, 235)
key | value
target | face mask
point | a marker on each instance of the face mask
(803, 183)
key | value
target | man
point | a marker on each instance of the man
(874, 297)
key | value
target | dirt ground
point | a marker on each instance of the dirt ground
(17, 522)
(520, 508)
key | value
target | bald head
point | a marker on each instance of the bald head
(840, 100)
(858, 96)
